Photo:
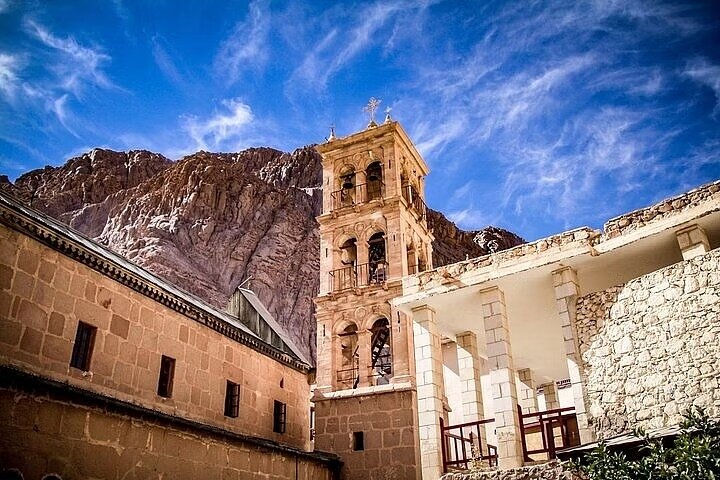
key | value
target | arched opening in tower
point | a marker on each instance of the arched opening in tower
(381, 352)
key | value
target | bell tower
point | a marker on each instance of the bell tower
(373, 231)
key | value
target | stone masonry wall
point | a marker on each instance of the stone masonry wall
(651, 347)
(43, 296)
(547, 471)
(42, 436)
(389, 424)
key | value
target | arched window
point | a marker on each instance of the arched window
(374, 181)
(347, 187)
(346, 275)
(376, 258)
(381, 352)
(348, 373)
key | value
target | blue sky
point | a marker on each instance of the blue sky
(535, 116)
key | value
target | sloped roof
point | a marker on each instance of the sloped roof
(76, 245)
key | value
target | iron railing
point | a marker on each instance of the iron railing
(555, 428)
(461, 441)
(362, 275)
(381, 371)
(349, 377)
(357, 194)
(416, 268)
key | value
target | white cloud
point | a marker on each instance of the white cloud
(706, 74)
(9, 67)
(218, 131)
(4, 6)
(77, 65)
(167, 66)
(247, 46)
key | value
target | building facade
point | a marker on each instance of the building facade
(110, 372)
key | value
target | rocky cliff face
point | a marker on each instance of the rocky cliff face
(211, 220)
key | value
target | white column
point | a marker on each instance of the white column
(693, 241)
(470, 369)
(430, 389)
(566, 292)
(502, 378)
(527, 397)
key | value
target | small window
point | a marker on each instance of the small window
(232, 399)
(358, 441)
(83, 348)
(279, 417)
(167, 372)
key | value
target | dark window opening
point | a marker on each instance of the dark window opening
(282, 383)
(83, 347)
(376, 256)
(358, 441)
(381, 352)
(232, 399)
(279, 417)
(374, 181)
(167, 372)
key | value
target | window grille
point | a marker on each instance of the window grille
(279, 417)
(232, 399)
(167, 372)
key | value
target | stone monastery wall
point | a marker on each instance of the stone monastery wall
(651, 347)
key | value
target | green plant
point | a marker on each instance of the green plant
(693, 455)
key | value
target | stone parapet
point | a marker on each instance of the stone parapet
(651, 347)
(547, 471)
(639, 218)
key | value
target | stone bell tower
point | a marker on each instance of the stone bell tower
(373, 231)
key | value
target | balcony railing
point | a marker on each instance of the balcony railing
(381, 372)
(543, 433)
(358, 276)
(348, 377)
(461, 445)
(414, 200)
(357, 194)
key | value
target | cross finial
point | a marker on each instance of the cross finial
(332, 133)
(371, 107)
(387, 114)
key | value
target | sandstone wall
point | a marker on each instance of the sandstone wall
(43, 295)
(41, 435)
(651, 347)
(389, 424)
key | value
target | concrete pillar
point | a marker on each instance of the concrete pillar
(527, 397)
(364, 358)
(566, 292)
(550, 393)
(430, 389)
(470, 369)
(693, 241)
(502, 378)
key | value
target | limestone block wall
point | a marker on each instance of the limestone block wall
(41, 436)
(43, 296)
(651, 347)
(388, 422)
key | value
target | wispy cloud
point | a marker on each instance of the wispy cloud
(177, 75)
(708, 74)
(4, 6)
(222, 129)
(246, 49)
(9, 67)
(78, 65)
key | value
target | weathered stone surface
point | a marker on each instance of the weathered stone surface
(651, 347)
(211, 220)
(547, 471)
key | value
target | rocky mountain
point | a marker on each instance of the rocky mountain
(211, 220)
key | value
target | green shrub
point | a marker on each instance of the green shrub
(693, 455)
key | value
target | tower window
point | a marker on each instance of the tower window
(358, 444)
(167, 372)
(279, 417)
(232, 399)
(83, 347)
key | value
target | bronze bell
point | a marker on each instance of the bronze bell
(373, 177)
(347, 184)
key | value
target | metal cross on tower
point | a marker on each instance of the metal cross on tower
(371, 107)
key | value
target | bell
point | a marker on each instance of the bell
(373, 177)
(347, 184)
